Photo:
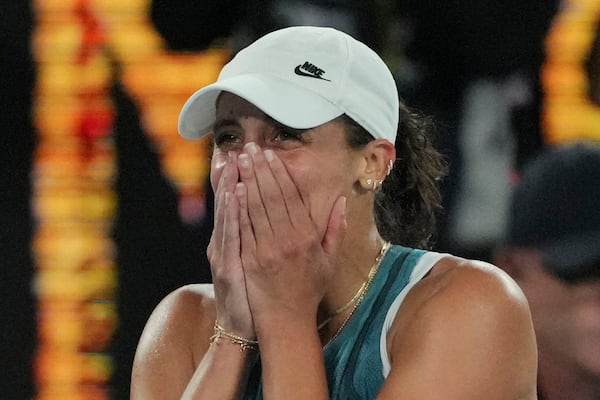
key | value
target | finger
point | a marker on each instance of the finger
(247, 240)
(231, 230)
(229, 177)
(256, 209)
(295, 207)
(234, 299)
(232, 172)
(218, 163)
(336, 227)
(218, 214)
(270, 191)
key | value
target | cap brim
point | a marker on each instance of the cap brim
(283, 101)
(569, 258)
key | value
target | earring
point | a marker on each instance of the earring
(369, 183)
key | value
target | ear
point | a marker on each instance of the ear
(378, 157)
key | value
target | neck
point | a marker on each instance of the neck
(559, 380)
(357, 257)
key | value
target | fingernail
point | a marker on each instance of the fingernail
(220, 162)
(269, 155)
(244, 160)
(239, 187)
(251, 148)
(227, 195)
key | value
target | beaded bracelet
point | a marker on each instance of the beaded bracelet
(245, 344)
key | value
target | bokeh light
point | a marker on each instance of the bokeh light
(82, 48)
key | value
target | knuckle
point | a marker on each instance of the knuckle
(290, 247)
(308, 241)
(266, 256)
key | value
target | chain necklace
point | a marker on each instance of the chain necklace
(357, 299)
(343, 308)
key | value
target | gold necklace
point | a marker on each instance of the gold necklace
(359, 296)
(344, 307)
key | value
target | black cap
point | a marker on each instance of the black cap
(555, 208)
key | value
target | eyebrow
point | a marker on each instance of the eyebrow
(270, 120)
(225, 122)
(280, 126)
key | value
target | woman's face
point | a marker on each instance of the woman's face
(318, 160)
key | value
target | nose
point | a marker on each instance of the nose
(256, 136)
(242, 147)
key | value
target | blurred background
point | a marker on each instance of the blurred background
(105, 210)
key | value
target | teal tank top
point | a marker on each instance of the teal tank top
(353, 359)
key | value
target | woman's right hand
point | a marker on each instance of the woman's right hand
(233, 311)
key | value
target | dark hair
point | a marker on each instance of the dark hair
(409, 199)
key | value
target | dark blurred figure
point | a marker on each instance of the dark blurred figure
(17, 308)
(474, 66)
(552, 250)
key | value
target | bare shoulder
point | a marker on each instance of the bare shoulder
(195, 298)
(467, 326)
(455, 281)
(175, 338)
(471, 293)
(461, 280)
(183, 315)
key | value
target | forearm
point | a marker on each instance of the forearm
(222, 373)
(292, 362)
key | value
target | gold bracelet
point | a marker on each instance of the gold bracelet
(245, 344)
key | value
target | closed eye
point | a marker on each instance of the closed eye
(225, 138)
(282, 133)
(288, 134)
(227, 133)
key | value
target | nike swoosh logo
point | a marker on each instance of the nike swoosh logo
(298, 71)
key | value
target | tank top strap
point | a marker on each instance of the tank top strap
(423, 266)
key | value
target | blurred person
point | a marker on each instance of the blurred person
(552, 250)
(325, 198)
(475, 67)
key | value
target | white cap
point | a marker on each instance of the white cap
(303, 77)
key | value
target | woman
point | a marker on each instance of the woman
(309, 298)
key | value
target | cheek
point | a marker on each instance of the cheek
(319, 187)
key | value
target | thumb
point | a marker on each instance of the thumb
(336, 227)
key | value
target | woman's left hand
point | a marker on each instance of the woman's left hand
(287, 263)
